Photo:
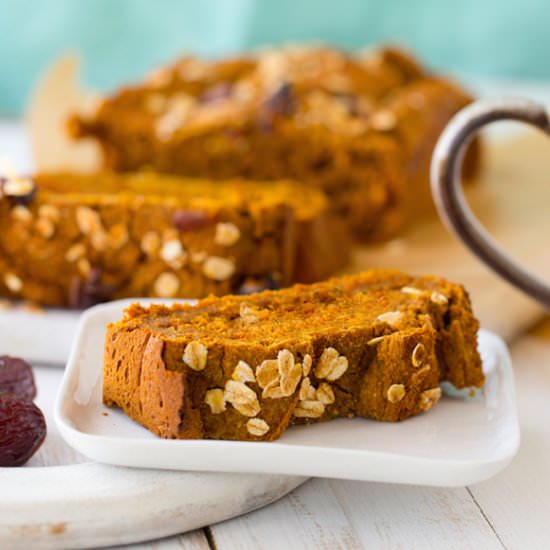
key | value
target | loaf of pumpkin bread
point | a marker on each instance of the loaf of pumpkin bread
(359, 127)
(76, 240)
(374, 345)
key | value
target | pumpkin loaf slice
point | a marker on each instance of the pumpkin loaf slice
(75, 240)
(375, 345)
(359, 127)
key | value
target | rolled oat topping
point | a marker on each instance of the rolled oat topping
(257, 427)
(217, 268)
(195, 355)
(391, 317)
(99, 240)
(383, 120)
(290, 372)
(438, 298)
(306, 364)
(227, 234)
(429, 398)
(247, 314)
(166, 285)
(395, 393)
(243, 373)
(49, 211)
(215, 400)
(331, 365)
(305, 388)
(374, 341)
(21, 213)
(267, 373)
(177, 111)
(309, 409)
(325, 394)
(75, 252)
(88, 220)
(242, 398)
(13, 282)
(279, 377)
(412, 290)
(172, 250)
(150, 243)
(418, 355)
(45, 227)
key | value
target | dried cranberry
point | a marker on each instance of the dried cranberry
(189, 220)
(16, 377)
(218, 92)
(22, 429)
(251, 285)
(88, 293)
(281, 103)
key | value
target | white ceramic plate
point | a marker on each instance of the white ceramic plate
(459, 442)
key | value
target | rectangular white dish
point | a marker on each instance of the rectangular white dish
(459, 442)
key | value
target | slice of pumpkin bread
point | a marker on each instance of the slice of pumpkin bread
(375, 344)
(75, 240)
(361, 128)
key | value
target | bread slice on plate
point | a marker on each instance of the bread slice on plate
(374, 345)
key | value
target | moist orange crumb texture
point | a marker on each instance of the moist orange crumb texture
(359, 127)
(68, 239)
(375, 345)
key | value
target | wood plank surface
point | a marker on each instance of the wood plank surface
(516, 501)
(331, 514)
(194, 540)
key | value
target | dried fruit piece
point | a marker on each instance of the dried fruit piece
(22, 429)
(217, 92)
(89, 292)
(280, 103)
(16, 377)
(252, 285)
(190, 220)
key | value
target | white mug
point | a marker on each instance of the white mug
(449, 197)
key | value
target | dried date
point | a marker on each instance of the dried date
(16, 377)
(191, 220)
(22, 429)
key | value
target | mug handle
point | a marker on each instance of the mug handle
(449, 197)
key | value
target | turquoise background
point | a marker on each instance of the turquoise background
(121, 39)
